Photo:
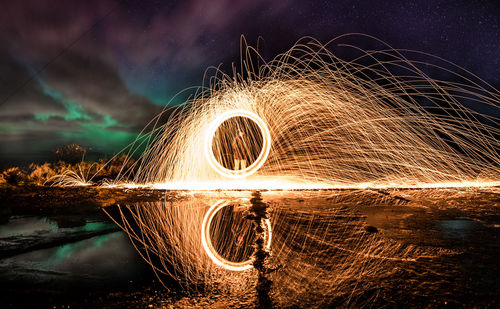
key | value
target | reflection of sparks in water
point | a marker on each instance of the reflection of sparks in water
(211, 251)
(320, 241)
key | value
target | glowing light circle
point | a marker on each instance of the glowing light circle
(257, 164)
(209, 248)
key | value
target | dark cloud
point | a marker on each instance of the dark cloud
(18, 99)
(97, 87)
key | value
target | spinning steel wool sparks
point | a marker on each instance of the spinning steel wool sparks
(313, 120)
(258, 162)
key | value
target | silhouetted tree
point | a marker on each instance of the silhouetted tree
(71, 153)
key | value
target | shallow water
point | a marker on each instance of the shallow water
(84, 260)
(65, 259)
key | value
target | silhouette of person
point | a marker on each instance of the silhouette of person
(239, 151)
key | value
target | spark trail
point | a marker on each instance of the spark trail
(331, 123)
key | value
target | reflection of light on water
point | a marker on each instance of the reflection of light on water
(208, 246)
(324, 248)
(75, 251)
(25, 233)
(106, 257)
(18, 226)
(457, 229)
(26, 226)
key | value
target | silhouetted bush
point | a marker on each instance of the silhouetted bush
(83, 172)
(13, 176)
(41, 174)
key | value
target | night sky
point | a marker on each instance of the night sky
(107, 67)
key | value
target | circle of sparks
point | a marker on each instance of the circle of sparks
(209, 248)
(257, 164)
